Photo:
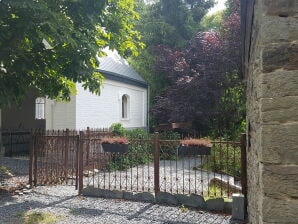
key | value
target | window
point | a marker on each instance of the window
(124, 106)
(39, 108)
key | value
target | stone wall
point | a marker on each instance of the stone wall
(272, 113)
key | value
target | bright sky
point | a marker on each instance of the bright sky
(220, 5)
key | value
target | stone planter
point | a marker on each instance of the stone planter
(115, 148)
(193, 150)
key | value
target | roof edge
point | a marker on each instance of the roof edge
(124, 79)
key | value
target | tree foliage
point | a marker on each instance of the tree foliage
(205, 85)
(170, 23)
(49, 45)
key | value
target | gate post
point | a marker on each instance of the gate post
(156, 162)
(81, 161)
(243, 165)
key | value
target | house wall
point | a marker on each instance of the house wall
(22, 116)
(60, 115)
(272, 113)
(101, 111)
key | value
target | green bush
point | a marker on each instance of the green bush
(139, 153)
(117, 129)
(224, 159)
(137, 134)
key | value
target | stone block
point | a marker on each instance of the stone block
(280, 55)
(166, 198)
(274, 29)
(279, 144)
(238, 210)
(91, 191)
(194, 201)
(281, 8)
(282, 211)
(280, 181)
(216, 204)
(144, 196)
(228, 207)
(278, 84)
(279, 110)
(128, 195)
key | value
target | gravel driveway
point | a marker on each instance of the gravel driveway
(63, 200)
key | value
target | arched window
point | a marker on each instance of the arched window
(124, 106)
(40, 108)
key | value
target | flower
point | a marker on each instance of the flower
(195, 142)
(115, 140)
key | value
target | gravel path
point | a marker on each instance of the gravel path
(63, 200)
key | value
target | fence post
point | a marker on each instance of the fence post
(156, 162)
(81, 161)
(243, 165)
(31, 158)
(77, 160)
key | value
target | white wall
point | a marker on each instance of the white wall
(101, 111)
(60, 115)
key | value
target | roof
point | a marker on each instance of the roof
(114, 67)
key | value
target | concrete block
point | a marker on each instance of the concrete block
(216, 204)
(166, 198)
(238, 207)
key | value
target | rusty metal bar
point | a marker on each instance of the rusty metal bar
(31, 158)
(156, 162)
(243, 165)
(77, 161)
(81, 162)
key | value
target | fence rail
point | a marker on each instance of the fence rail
(150, 165)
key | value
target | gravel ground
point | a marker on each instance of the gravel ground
(63, 200)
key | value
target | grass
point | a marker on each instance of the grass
(31, 217)
(5, 171)
(215, 192)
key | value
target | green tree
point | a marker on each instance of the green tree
(213, 21)
(50, 45)
(170, 23)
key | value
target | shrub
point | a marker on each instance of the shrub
(117, 129)
(224, 159)
(139, 153)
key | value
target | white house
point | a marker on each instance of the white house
(123, 98)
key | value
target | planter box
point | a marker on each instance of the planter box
(193, 150)
(120, 148)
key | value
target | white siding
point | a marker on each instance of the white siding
(60, 115)
(101, 111)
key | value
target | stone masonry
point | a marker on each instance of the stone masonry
(272, 113)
